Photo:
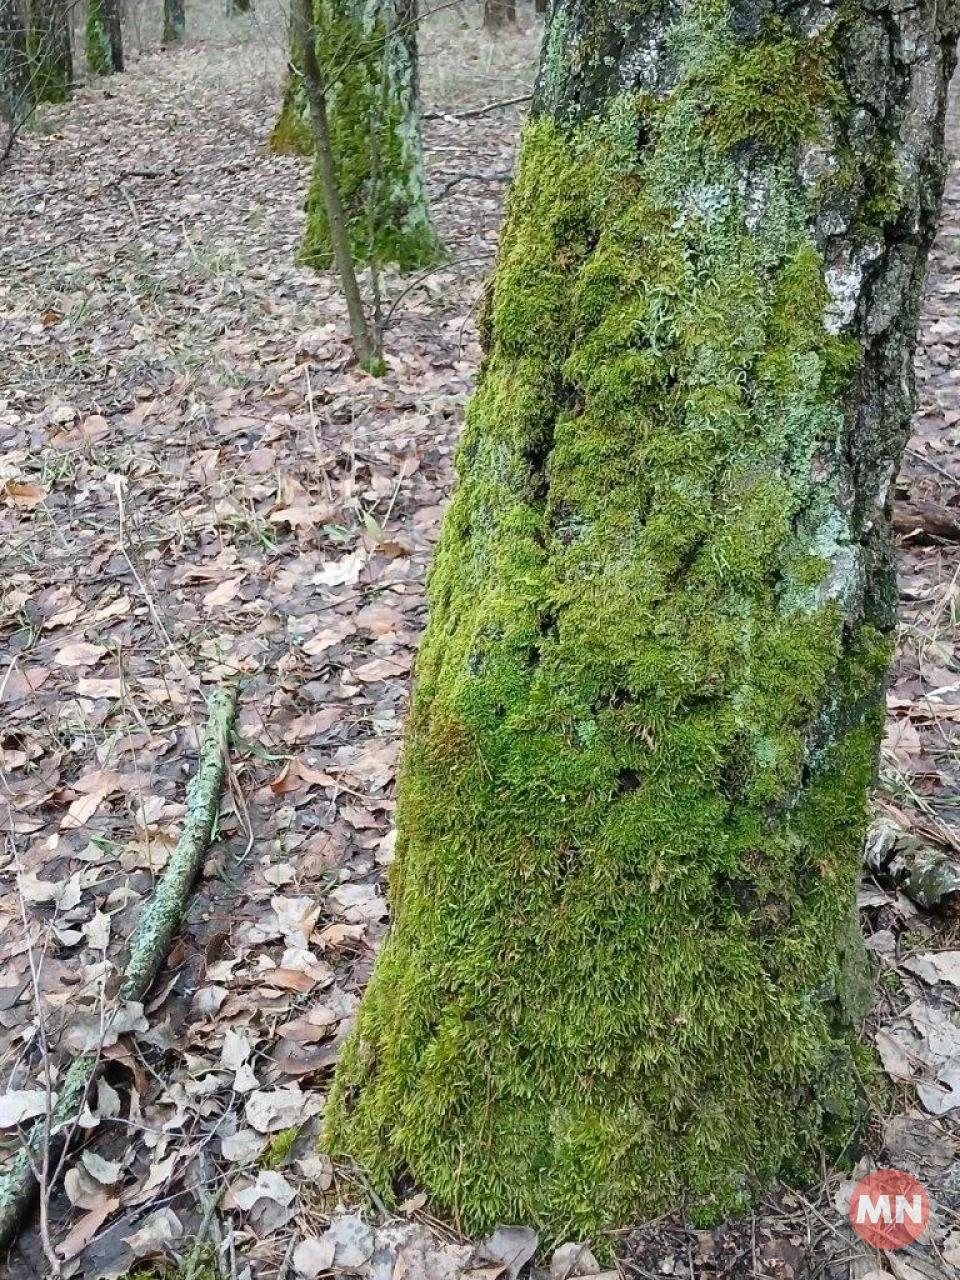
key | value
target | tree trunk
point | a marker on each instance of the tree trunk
(51, 56)
(375, 131)
(304, 32)
(15, 89)
(497, 13)
(104, 38)
(540, 6)
(624, 970)
(174, 21)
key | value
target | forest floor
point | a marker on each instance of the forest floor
(196, 481)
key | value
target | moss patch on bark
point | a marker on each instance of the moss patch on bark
(291, 134)
(624, 970)
(97, 39)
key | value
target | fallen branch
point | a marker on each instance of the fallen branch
(160, 920)
(470, 177)
(926, 522)
(930, 877)
(479, 111)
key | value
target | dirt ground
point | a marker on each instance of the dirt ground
(196, 482)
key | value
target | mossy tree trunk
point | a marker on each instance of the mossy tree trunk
(50, 49)
(367, 54)
(104, 37)
(624, 970)
(15, 86)
(174, 21)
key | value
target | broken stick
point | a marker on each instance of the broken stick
(160, 920)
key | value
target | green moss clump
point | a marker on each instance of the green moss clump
(291, 134)
(374, 120)
(624, 970)
(278, 1148)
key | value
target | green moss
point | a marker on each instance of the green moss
(374, 120)
(98, 48)
(624, 970)
(774, 92)
(278, 1148)
(291, 134)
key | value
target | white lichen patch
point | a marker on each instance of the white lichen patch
(844, 281)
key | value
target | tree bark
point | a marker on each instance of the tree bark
(51, 55)
(540, 6)
(174, 21)
(15, 88)
(624, 970)
(373, 108)
(104, 37)
(326, 170)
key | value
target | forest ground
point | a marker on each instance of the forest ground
(195, 480)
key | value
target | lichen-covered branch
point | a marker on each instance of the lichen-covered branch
(159, 921)
(624, 970)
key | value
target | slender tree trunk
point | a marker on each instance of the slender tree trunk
(104, 38)
(625, 971)
(174, 21)
(389, 198)
(15, 88)
(51, 56)
(326, 170)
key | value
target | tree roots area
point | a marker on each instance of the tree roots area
(197, 483)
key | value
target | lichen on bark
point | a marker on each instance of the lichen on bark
(367, 53)
(624, 970)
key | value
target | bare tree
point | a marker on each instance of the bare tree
(15, 89)
(50, 49)
(304, 35)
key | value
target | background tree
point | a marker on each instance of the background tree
(15, 88)
(104, 37)
(174, 21)
(305, 43)
(50, 50)
(624, 970)
(497, 13)
(367, 54)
